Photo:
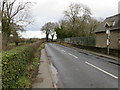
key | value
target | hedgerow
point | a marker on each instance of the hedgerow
(13, 65)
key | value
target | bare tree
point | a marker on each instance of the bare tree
(73, 12)
(52, 31)
(49, 29)
(15, 33)
(46, 29)
(13, 12)
(77, 14)
(77, 22)
(92, 25)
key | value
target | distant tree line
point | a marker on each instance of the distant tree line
(77, 22)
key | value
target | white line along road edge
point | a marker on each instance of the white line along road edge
(72, 55)
(102, 70)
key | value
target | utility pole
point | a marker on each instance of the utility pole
(107, 26)
(108, 40)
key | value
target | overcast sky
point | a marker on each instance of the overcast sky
(52, 10)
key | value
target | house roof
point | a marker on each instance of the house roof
(113, 22)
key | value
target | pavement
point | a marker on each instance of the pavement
(44, 78)
(80, 69)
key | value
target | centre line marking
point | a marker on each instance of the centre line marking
(63, 50)
(102, 70)
(72, 55)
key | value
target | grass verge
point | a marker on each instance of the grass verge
(113, 52)
(32, 69)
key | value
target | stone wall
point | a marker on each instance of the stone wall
(101, 39)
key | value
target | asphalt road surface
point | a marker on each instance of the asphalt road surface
(77, 69)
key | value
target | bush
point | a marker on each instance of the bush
(13, 65)
(23, 82)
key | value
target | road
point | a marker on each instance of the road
(82, 70)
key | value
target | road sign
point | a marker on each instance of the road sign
(108, 39)
(108, 32)
(108, 42)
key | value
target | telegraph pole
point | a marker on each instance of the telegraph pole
(108, 40)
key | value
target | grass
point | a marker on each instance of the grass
(64, 44)
(42, 46)
(12, 45)
(32, 69)
(20, 43)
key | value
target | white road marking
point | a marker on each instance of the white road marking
(72, 55)
(63, 50)
(102, 70)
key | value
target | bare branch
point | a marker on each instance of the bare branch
(19, 8)
(11, 6)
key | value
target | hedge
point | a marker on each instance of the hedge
(13, 65)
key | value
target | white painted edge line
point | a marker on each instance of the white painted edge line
(72, 55)
(102, 70)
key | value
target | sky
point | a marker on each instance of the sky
(44, 11)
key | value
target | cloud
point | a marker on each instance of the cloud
(52, 10)
(56, 7)
(34, 34)
(119, 7)
(47, 10)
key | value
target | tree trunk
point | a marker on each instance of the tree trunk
(16, 43)
(52, 36)
(47, 35)
(4, 41)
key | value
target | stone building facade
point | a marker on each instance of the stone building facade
(112, 24)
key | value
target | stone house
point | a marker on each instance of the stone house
(111, 26)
